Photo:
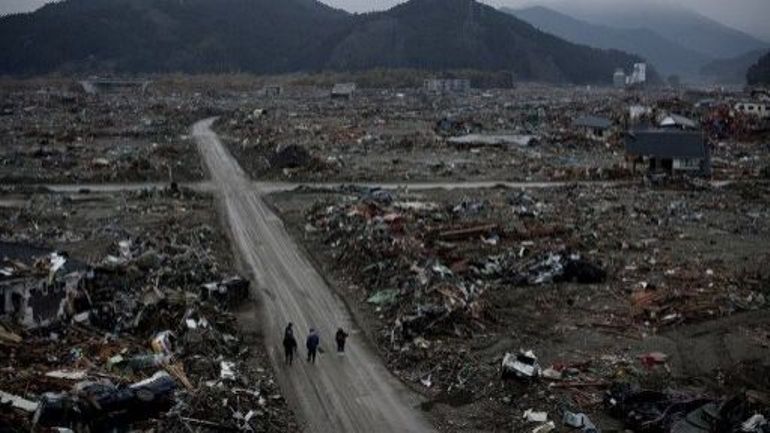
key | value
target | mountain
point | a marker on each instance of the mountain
(759, 73)
(274, 36)
(688, 28)
(733, 70)
(453, 34)
(168, 35)
(667, 56)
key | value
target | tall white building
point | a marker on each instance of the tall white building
(639, 75)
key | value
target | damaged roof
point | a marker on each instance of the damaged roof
(675, 120)
(666, 144)
(28, 254)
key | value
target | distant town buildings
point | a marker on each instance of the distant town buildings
(637, 77)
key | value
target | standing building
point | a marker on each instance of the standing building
(619, 78)
(669, 151)
(447, 85)
(639, 75)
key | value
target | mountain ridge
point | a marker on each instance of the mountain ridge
(477, 35)
(667, 56)
(688, 28)
(277, 36)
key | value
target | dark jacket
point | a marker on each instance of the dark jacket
(341, 336)
(289, 342)
(313, 340)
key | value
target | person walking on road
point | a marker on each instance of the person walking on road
(341, 337)
(289, 344)
(313, 340)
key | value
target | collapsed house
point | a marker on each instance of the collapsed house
(669, 151)
(272, 91)
(343, 91)
(95, 86)
(37, 286)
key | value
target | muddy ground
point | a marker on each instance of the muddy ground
(685, 276)
(59, 134)
(396, 135)
(393, 135)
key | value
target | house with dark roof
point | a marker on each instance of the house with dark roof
(669, 151)
(593, 127)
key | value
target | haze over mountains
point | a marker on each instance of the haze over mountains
(270, 36)
(675, 40)
(732, 70)
(668, 56)
(684, 26)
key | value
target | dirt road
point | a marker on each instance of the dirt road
(354, 393)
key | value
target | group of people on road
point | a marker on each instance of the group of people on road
(312, 343)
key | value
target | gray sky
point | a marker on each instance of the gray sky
(752, 16)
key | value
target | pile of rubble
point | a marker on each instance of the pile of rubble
(425, 266)
(142, 338)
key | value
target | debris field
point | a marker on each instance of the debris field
(124, 312)
(495, 302)
(619, 291)
(524, 134)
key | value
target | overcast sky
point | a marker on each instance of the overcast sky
(752, 16)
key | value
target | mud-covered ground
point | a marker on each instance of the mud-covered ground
(685, 275)
(152, 251)
(406, 135)
(59, 134)
(393, 135)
